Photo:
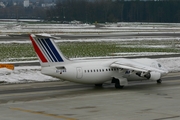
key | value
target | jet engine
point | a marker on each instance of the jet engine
(153, 76)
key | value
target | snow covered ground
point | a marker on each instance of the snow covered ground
(23, 74)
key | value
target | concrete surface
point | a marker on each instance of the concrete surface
(138, 101)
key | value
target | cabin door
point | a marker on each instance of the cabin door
(79, 73)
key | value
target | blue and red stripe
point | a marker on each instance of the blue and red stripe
(38, 51)
(46, 50)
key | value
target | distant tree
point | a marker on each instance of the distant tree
(116, 10)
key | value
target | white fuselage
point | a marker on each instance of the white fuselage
(95, 71)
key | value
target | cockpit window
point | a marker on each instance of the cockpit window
(159, 65)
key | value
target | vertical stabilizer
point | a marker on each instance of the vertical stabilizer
(47, 51)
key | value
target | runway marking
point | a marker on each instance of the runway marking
(43, 113)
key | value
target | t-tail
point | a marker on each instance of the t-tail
(47, 51)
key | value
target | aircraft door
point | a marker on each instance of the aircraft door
(79, 73)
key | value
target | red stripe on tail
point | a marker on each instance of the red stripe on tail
(38, 51)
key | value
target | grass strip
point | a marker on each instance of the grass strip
(74, 49)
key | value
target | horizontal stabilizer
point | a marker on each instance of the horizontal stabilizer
(44, 35)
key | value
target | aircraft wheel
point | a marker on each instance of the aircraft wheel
(118, 86)
(159, 81)
(98, 85)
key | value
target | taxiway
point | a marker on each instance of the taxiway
(69, 101)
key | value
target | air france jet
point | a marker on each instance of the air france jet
(93, 71)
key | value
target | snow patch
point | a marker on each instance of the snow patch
(24, 74)
(172, 64)
(5, 71)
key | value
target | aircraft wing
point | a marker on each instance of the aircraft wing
(135, 66)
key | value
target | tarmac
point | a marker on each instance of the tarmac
(69, 101)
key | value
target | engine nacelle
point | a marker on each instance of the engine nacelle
(153, 76)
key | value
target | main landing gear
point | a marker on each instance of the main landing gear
(98, 85)
(117, 84)
(159, 81)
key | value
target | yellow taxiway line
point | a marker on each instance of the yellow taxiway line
(43, 113)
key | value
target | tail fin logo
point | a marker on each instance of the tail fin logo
(46, 50)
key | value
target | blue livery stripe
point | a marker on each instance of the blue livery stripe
(49, 50)
(55, 52)
(43, 47)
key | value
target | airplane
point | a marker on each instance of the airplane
(93, 71)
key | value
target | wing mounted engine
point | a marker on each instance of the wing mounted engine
(142, 70)
(153, 75)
